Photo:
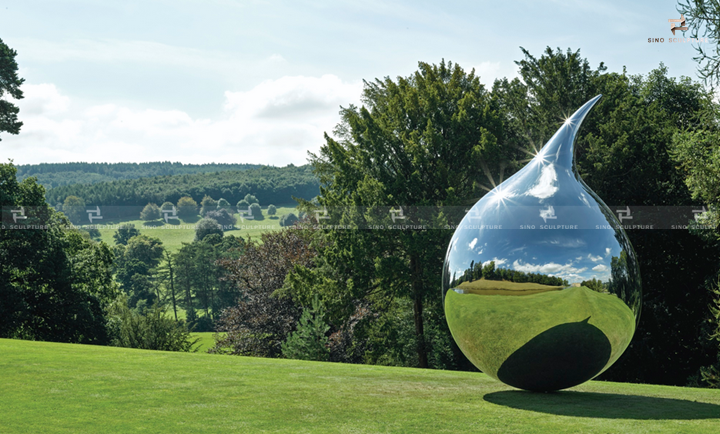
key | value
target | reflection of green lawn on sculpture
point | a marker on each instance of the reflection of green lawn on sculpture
(503, 287)
(490, 328)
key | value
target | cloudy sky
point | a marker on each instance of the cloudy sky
(245, 81)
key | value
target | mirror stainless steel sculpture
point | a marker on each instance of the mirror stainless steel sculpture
(541, 287)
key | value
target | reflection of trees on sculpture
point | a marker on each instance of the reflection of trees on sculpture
(618, 273)
(489, 272)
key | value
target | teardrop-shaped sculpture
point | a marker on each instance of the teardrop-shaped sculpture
(541, 287)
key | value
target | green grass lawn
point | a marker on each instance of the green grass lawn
(206, 341)
(503, 287)
(174, 234)
(62, 388)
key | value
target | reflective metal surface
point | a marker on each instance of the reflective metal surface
(541, 286)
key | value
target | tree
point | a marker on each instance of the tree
(74, 208)
(256, 211)
(260, 321)
(207, 204)
(167, 206)
(309, 341)
(223, 217)
(9, 83)
(288, 220)
(488, 271)
(124, 233)
(205, 227)
(55, 285)
(423, 140)
(202, 280)
(701, 18)
(224, 204)
(147, 330)
(136, 269)
(250, 199)
(150, 212)
(186, 207)
(271, 210)
(243, 205)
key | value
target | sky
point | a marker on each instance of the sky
(262, 81)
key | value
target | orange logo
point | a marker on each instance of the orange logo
(673, 27)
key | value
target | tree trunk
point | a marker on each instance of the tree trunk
(417, 287)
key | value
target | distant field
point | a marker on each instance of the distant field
(173, 235)
(60, 388)
(503, 287)
(207, 341)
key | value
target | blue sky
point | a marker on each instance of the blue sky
(260, 81)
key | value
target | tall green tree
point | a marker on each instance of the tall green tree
(702, 22)
(10, 84)
(55, 285)
(136, 269)
(425, 140)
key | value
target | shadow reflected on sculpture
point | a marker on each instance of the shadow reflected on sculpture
(561, 357)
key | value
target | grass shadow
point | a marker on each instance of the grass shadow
(153, 224)
(605, 405)
(191, 219)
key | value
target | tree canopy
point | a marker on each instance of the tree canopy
(10, 84)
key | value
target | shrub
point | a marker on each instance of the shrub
(222, 216)
(207, 204)
(271, 210)
(149, 330)
(243, 205)
(308, 341)
(206, 227)
(150, 212)
(256, 211)
(74, 209)
(288, 220)
(187, 207)
(124, 233)
(224, 204)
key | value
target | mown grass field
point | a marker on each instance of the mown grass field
(206, 340)
(62, 388)
(174, 234)
(503, 287)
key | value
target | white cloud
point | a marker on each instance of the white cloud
(549, 268)
(607, 251)
(600, 268)
(595, 258)
(276, 122)
(545, 186)
(472, 243)
(498, 262)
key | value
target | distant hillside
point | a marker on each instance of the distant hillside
(271, 185)
(58, 174)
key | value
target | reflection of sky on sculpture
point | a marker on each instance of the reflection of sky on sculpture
(506, 224)
(575, 255)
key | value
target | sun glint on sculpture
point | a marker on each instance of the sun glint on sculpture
(541, 287)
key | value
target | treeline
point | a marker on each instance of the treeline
(489, 272)
(122, 198)
(52, 175)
